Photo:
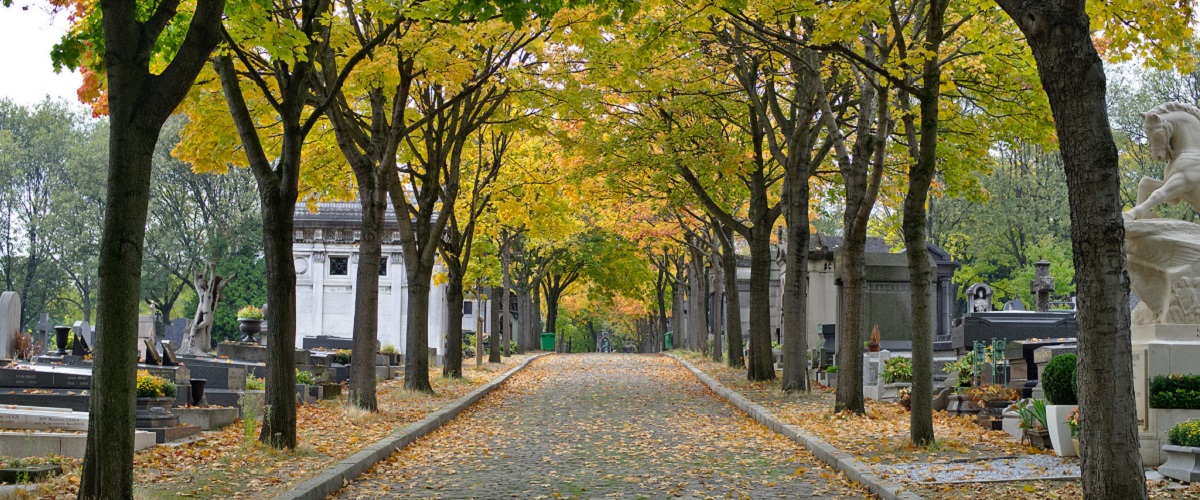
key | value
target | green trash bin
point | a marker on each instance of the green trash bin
(670, 339)
(547, 341)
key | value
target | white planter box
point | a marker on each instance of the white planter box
(1181, 463)
(1060, 432)
(1152, 438)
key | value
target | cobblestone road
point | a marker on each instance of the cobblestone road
(602, 426)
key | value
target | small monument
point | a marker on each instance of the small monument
(208, 287)
(981, 297)
(145, 334)
(1042, 285)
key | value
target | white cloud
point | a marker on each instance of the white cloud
(26, 73)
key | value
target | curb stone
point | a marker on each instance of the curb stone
(333, 478)
(825, 452)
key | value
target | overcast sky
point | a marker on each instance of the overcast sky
(26, 74)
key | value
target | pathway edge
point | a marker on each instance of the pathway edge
(825, 452)
(332, 479)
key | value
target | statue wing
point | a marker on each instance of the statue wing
(1164, 244)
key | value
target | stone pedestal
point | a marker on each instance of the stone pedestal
(1161, 350)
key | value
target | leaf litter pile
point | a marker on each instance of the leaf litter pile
(225, 464)
(598, 426)
(880, 439)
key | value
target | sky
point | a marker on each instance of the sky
(26, 74)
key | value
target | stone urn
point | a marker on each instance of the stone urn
(1182, 463)
(249, 328)
(1039, 438)
(61, 337)
(198, 390)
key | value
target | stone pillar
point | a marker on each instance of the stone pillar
(1042, 285)
(318, 303)
(395, 331)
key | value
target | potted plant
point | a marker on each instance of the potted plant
(904, 398)
(153, 390)
(250, 320)
(391, 352)
(306, 387)
(896, 374)
(993, 399)
(1032, 414)
(1183, 454)
(874, 343)
(830, 376)
(1058, 382)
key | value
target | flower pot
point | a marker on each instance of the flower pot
(198, 390)
(1075, 444)
(872, 347)
(249, 328)
(1183, 463)
(1060, 432)
(1039, 438)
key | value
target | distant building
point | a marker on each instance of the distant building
(325, 250)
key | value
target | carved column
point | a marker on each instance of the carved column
(318, 272)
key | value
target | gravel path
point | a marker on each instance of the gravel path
(1004, 469)
(602, 426)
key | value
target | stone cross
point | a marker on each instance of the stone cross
(1042, 285)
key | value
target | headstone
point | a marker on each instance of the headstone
(145, 335)
(83, 330)
(1014, 305)
(980, 295)
(175, 332)
(10, 321)
(80, 347)
(152, 357)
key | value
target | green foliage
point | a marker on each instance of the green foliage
(1185, 434)
(831, 369)
(1175, 391)
(897, 369)
(1032, 414)
(305, 377)
(388, 349)
(1056, 380)
(341, 356)
(153, 386)
(961, 369)
(53, 342)
(254, 383)
(248, 286)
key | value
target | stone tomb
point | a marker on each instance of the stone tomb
(1012, 326)
(1161, 350)
(1023, 367)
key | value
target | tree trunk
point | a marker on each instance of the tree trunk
(1073, 76)
(733, 300)
(506, 300)
(452, 362)
(536, 306)
(794, 301)
(718, 291)
(416, 350)
(373, 203)
(524, 322)
(139, 104)
(760, 366)
(850, 331)
(677, 288)
(279, 414)
(920, 176)
(697, 322)
(497, 319)
(108, 460)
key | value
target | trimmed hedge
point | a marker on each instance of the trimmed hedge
(1058, 378)
(1175, 392)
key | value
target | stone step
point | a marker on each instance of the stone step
(68, 444)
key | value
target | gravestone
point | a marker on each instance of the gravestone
(168, 356)
(176, 331)
(43, 329)
(10, 321)
(83, 330)
(1042, 285)
(152, 357)
(145, 335)
(79, 347)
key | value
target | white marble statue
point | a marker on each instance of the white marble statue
(1173, 130)
(1164, 254)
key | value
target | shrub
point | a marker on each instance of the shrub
(341, 356)
(1185, 434)
(831, 369)
(897, 369)
(993, 392)
(254, 383)
(250, 312)
(1175, 392)
(153, 386)
(388, 349)
(305, 378)
(1056, 380)
(961, 369)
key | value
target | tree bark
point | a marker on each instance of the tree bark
(677, 292)
(416, 359)
(139, 105)
(697, 320)
(452, 362)
(718, 291)
(733, 299)
(372, 191)
(506, 323)
(1072, 74)
(760, 366)
(794, 301)
(279, 413)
